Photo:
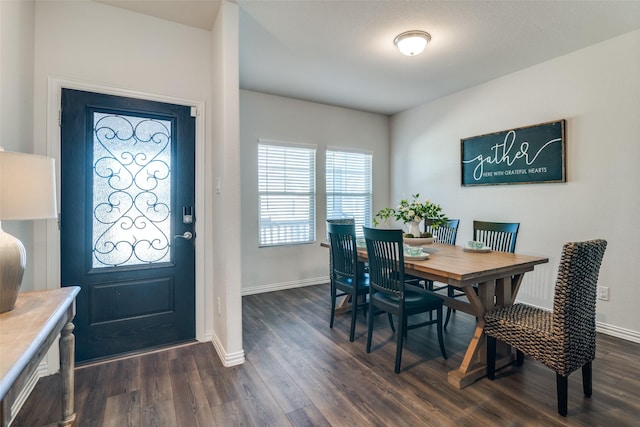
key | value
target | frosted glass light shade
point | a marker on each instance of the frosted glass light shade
(411, 43)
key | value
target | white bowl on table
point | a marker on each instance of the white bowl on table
(418, 241)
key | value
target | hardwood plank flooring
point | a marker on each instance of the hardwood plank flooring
(301, 373)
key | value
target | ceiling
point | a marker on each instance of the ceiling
(342, 53)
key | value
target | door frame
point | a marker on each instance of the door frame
(51, 256)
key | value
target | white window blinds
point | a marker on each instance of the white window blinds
(349, 186)
(286, 193)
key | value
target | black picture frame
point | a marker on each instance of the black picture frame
(526, 155)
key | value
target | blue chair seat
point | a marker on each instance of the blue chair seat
(362, 282)
(411, 300)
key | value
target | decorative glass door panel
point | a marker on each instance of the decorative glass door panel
(131, 190)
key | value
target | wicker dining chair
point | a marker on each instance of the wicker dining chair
(565, 339)
(387, 292)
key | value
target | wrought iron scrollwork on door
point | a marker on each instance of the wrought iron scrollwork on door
(131, 190)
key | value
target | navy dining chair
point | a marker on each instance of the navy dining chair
(499, 236)
(388, 291)
(346, 277)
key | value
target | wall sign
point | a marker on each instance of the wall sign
(527, 155)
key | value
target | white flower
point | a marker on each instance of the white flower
(414, 210)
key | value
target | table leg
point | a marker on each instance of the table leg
(67, 350)
(344, 306)
(474, 362)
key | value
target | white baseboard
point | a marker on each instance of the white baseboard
(228, 359)
(625, 334)
(207, 336)
(284, 285)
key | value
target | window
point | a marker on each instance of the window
(349, 187)
(286, 193)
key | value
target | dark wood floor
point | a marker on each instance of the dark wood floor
(301, 373)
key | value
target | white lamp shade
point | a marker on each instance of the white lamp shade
(27, 186)
(411, 43)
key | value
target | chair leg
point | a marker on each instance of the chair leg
(428, 285)
(519, 358)
(446, 320)
(562, 390)
(451, 294)
(370, 326)
(333, 305)
(402, 321)
(354, 312)
(587, 376)
(440, 337)
(491, 357)
(365, 306)
(393, 328)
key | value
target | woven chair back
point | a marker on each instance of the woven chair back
(574, 303)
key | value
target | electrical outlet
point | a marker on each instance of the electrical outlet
(603, 293)
(219, 307)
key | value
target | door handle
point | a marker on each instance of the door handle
(187, 235)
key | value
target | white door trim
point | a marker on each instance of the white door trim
(53, 147)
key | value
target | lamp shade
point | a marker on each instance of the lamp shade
(27, 191)
(27, 186)
(411, 43)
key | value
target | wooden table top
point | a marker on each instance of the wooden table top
(24, 328)
(455, 266)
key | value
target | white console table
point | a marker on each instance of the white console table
(26, 334)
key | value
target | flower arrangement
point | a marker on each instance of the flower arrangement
(413, 210)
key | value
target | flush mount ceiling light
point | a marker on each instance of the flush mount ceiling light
(411, 43)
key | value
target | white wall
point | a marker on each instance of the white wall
(597, 90)
(224, 156)
(92, 44)
(284, 119)
(88, 43)
(16, 103)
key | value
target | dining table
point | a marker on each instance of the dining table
(489, 279)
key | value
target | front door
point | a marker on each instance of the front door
(127, 213)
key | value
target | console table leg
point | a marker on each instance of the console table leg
(67, 350)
